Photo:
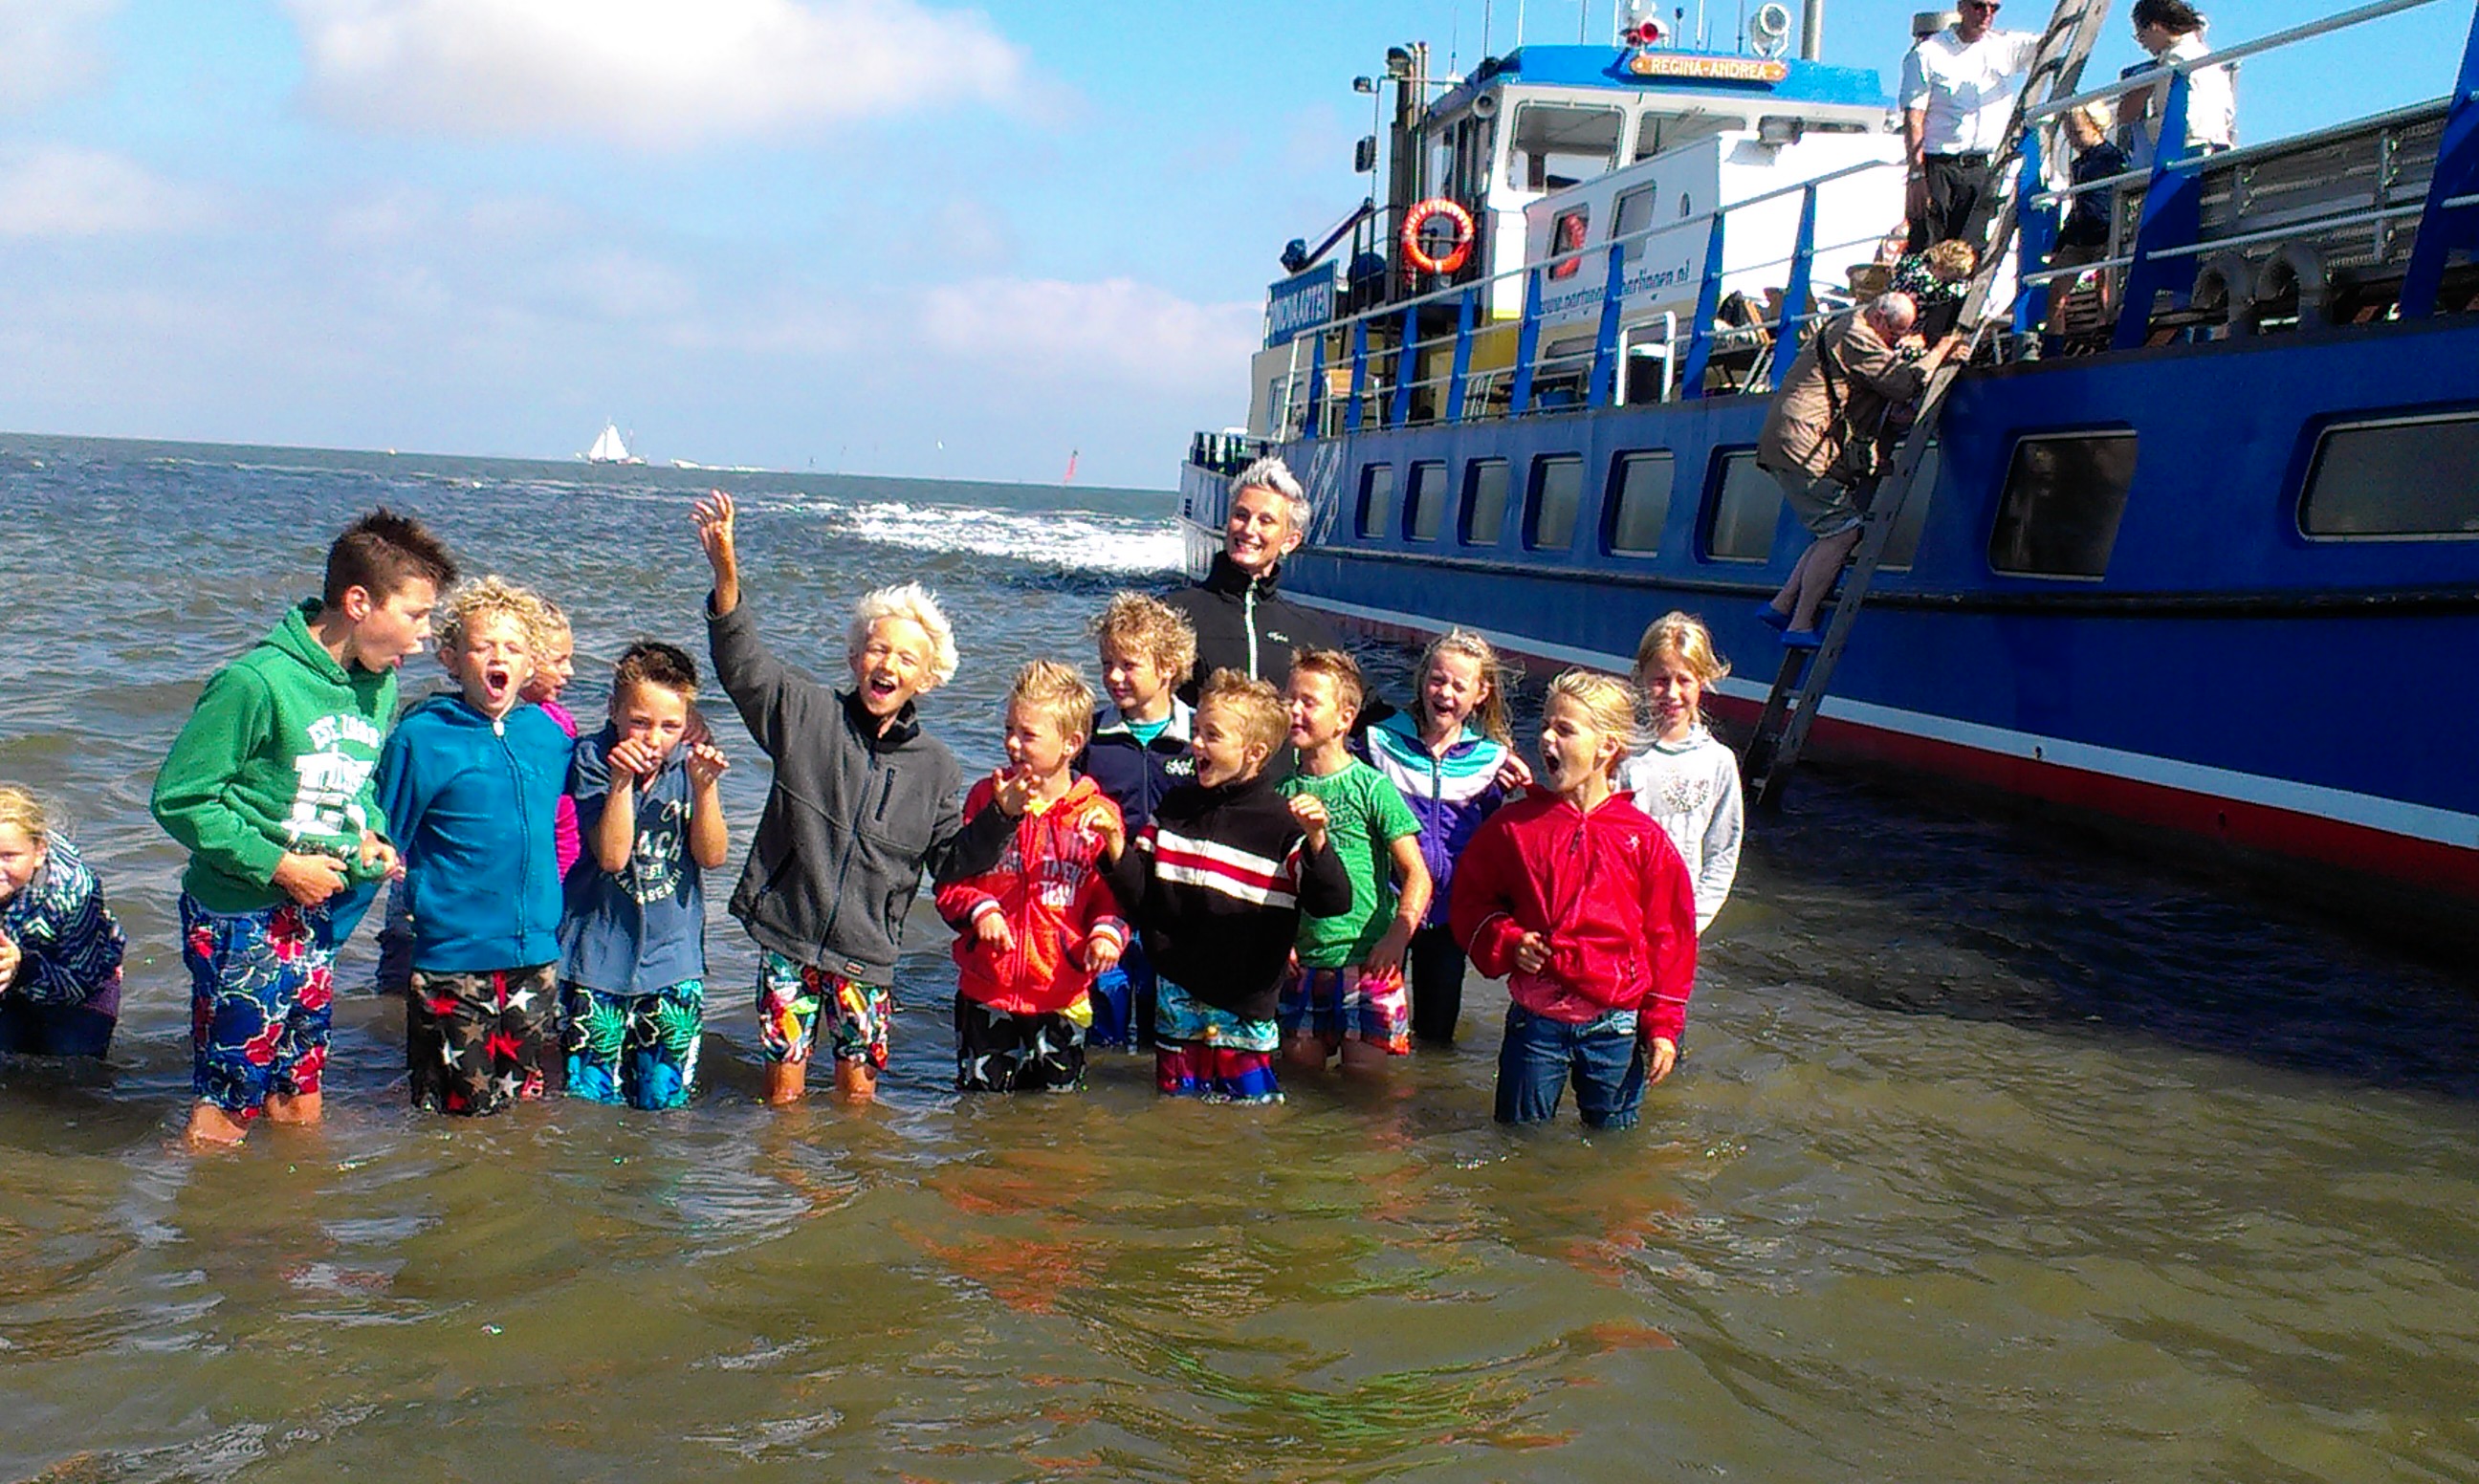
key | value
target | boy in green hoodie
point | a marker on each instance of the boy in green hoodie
(268, 788)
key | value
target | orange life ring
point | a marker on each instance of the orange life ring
(1418, 217)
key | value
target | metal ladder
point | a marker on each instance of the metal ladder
(1799, 687)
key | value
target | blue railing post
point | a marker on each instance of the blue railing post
(1407, 367)
(2038, 231)
(1801, 292)
(1462, 373)
(1359, 375)
(1316, 425)
(1600, 392)
(2441, 228)
(1708, 303)
(1528, 340)
(2173, 216)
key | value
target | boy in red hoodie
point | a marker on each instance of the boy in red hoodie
(1580, 899)
(1033, 931)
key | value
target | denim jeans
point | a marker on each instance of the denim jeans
(1540, 1055)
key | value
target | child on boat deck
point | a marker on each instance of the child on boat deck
(861, 801)
(1033, 931)
(1582, 902)
(472, 782)
(1687, 780)
(1217, 883)
(59, 948)
(1348, 994)
(632, 938)
(268, 787)
(1452, 758)
(1138, 753)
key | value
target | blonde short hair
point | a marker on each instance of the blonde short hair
(915, 604)
(1153, 629)
(1057, 693)
(20, 807)
(1684, 638)
(490, 595)
(1336, 666)
(1264, 719)
(1607, 701)
(1952, 260)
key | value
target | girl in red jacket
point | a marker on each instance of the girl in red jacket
(1580, 899)
(1033, 931)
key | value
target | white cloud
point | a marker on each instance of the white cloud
(655, 74)
(62, 190)
(48, 49)
(1117, 329)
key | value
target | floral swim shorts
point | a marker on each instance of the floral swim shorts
(792, 998)
(262, 997)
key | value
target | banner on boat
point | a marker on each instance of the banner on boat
(1298, 304)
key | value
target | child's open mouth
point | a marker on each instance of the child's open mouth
(881, 688)
(494, 681)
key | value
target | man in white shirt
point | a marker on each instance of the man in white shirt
(2172, 31)
(1957, 95)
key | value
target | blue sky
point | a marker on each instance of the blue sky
(754, 231)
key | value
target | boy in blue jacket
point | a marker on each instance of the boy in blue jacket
(470, 784)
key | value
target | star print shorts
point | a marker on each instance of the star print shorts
(997, 1051)
(261, 1001)
(638, 1049)
(793, 998)
(475, 1042)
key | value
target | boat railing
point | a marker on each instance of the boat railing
(2348, 224)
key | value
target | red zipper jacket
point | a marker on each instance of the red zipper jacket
(1049, 888)
(1609, 892)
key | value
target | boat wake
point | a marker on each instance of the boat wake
(1075, 541)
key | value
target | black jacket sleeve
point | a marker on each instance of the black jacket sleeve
(1325, 887)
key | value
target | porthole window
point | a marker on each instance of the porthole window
(1557, 492)
(1640, 501)
(1485, 482)
(1424, 507)
(1376, 499)
(2398, 480)
(1746, 507)
(2064, 493)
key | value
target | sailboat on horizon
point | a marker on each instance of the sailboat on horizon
(610, 448)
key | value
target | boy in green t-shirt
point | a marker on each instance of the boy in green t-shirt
(1348, 994)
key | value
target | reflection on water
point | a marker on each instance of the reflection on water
(1995, 1156)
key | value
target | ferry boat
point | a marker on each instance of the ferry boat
(2195, 547)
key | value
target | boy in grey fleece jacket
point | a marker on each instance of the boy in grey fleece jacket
(862, 801)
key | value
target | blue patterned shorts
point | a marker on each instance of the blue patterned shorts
(262, 999)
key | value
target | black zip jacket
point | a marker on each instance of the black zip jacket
(853, 818)
(1217, 883)
(1242, 625)
(1137, 775)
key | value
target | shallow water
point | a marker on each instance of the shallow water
(1996, 1155)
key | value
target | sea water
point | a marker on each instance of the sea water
(1995, 1154)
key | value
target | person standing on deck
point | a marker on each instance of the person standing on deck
(2172, 31)
(1240, 623)
(1958, 96)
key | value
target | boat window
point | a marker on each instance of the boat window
(1376, 499)
(1746, 507)
(1484, 502)
(1633, 213)
(1567, 233)
(1642, 505)
(1424, 509)
(1557, 491)
(1556, 145)
(1658, 132)
(1903, 542)
(2404, 477)
(2064, 493)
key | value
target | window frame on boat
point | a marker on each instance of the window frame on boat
(1615, 501)
(1535, 485)
(1468, 529)
(1373, 502)
(2314, 467)
(2006, 504)
(1419, 500)
(1716, 484)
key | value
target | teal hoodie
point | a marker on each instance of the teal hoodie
(476, 803)
(277, 757)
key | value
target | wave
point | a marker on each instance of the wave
(1078, 540)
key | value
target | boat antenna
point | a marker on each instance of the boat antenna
(1487, 6)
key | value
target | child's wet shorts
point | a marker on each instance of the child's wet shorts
(793, 997)
(1000, 1051)
(262, 999)
(1202, 1051)
(1335, 1005)
(476, 1041)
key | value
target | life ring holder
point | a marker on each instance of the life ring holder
(1419, 217)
